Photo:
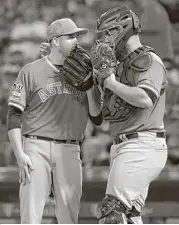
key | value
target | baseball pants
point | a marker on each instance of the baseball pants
(135, 164)
(57, 162)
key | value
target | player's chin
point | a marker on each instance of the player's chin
(67, 53)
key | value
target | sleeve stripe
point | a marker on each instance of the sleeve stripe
(149, 88)
(152, 96)
(17, 106)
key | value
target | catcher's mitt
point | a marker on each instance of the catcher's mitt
(78, 69)
(104, 62)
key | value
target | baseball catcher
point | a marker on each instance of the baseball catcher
(133, 78)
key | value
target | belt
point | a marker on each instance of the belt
(54, 140)
(124, 137)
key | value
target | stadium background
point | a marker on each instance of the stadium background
(22, 28)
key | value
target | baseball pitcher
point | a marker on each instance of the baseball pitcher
(48, 113)
(132, 78)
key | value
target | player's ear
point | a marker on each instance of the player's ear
(55, 41)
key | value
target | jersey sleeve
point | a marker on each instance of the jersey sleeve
(152, 80)
(20, 91)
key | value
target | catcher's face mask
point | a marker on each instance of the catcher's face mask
(118, 25)
(109, 37)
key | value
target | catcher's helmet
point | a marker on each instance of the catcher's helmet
(124, 20)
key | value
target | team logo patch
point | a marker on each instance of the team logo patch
(116, 109)
(17, 89)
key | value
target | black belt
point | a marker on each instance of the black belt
(122, 138)
(54, 140)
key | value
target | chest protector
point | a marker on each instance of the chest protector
(137, 62)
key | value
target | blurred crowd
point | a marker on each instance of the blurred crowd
(23, 28)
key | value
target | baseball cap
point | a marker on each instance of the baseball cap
(64, 27)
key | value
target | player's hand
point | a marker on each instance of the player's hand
(109, 81)
(26, 167)
(44, 49)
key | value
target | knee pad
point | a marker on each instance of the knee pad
(111, 211)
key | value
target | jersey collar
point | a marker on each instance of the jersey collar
(49, 62)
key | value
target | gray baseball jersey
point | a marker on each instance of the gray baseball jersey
(51, 107)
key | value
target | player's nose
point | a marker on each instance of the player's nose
(73, 47)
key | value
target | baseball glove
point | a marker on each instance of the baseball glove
(78, 69)
(104, 62)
